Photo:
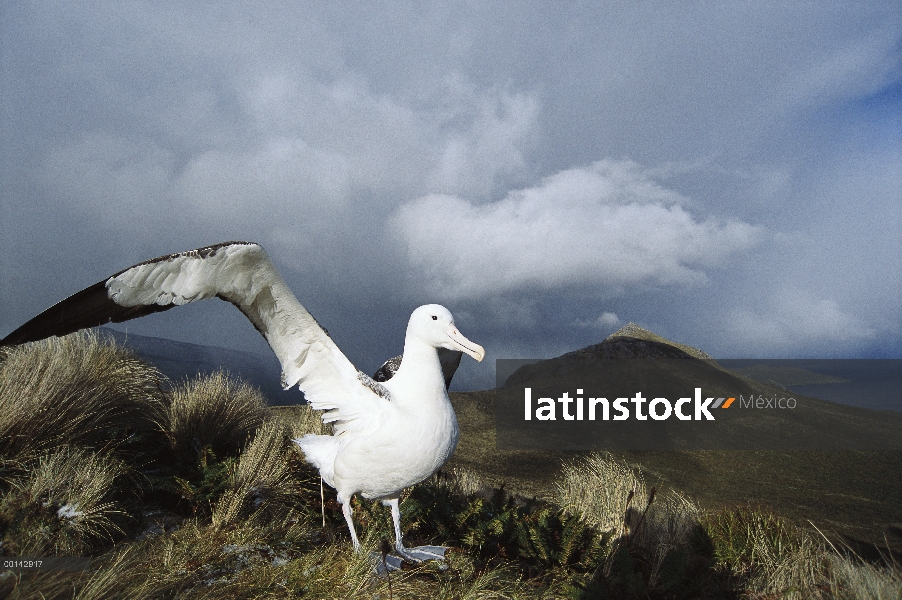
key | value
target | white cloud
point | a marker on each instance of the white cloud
(791, 321)
(606, 320)
(295, 144)
(461, 139)
(604, 225)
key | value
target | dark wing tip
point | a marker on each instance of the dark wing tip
(87, 308)
(92, 306)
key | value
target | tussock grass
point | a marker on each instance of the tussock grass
(262, 486)
(648, 538)
(851, 578)
(461, 482)
(301, 420)
(613, 497)
(200, 562)
(77, 390)
(596, 488)
(755, 551)
(65, 506)
(769, 553)
(251, 527)
(217, 412)
(776, 558)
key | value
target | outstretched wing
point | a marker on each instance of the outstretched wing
(449, 359)
(242, 274)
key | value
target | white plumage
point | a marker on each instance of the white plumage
(387, 436)
(379, 448)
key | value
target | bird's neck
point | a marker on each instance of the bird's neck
(420, 363)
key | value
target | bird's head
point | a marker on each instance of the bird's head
(434, 324)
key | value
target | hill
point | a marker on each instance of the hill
(855, 493)
(180, 360)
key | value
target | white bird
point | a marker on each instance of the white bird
(387, 436)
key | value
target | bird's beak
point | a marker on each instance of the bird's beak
(465, 345)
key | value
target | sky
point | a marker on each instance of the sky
(725, 174)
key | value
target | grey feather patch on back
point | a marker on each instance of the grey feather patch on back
(388, 369)
(449, 359)
(379, 389)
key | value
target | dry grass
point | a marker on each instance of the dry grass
(262, 486)
(596, 488)
(850, 578)
(77, 390)
(635, 521)
(200, 562)
(65, 506)
(461, 481)
(216, 412)
(756, 551)
(769, 553)
(611, 495)
(301, 420)
(67, 486)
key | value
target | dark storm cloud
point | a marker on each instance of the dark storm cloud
(727, 175)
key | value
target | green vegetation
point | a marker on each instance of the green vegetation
(195, 490)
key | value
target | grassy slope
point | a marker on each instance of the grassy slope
(246, 524)
(857, 495)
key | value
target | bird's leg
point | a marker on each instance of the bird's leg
(347, 512)
(322, 501)
(418, 554)
(396, 519)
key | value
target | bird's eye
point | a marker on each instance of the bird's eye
(434, 318)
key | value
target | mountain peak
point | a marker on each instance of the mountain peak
(634, 331)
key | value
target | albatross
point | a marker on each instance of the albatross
(387, 435)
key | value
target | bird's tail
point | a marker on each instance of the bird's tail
(320, 451)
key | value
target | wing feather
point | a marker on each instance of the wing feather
(240, 273)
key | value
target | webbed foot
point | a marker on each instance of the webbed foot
(417, 555)
(424, 553)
